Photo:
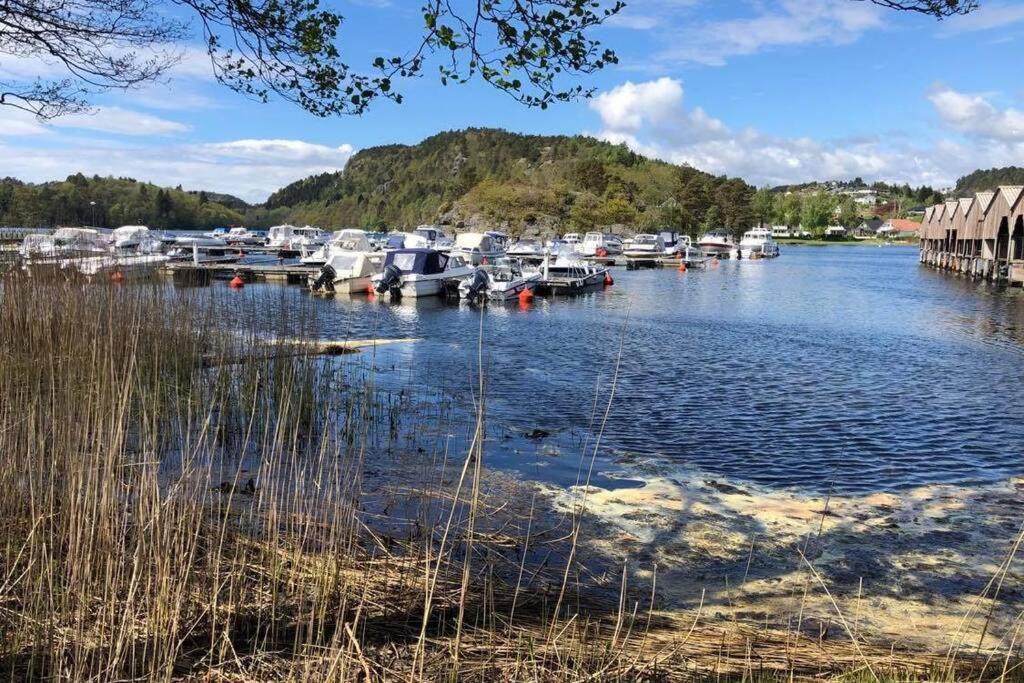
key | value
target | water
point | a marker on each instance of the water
(851, 368)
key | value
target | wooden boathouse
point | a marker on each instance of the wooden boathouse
(980, 236)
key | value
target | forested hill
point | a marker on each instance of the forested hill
(487, 177)
(118, 201)
(981, 181)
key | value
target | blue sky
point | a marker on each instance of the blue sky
(772, 90)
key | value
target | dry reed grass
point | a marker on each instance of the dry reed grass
(137, 545)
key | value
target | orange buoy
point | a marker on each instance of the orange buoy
(117, 277)
(601, 252)
(526, 296)
(608, 281)
(370, 291)
(682, 267)
(236, 282)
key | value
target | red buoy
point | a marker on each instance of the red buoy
(526, 296)
(601, 252)
(682, 267)
(236, 282)
(117, 277)
(370, 291)
(608, 281)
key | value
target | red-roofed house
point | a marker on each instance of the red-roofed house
(900, 227)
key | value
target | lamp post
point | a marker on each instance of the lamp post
(93, 205)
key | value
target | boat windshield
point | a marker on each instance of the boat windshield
(644, 239)
(345, 262)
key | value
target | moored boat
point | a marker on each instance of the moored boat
(758, 243)
(718, 244)
(348, 272)
(419, 272)
(476, 248)
(569, 274)
(503, 280)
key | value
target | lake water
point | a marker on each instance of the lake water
(851, 368)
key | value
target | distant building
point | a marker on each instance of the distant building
(868, 228)
(899, 228)
(781, 231)
(835, 231)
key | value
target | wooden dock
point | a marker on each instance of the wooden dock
(197, 274)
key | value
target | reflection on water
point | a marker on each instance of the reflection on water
(853, 366)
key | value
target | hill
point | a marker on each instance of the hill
(110, 202)
(523, 183)
(981, 181)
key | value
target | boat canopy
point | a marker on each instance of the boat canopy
(419, 261)
(474, 240)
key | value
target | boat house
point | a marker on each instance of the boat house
(981, 236)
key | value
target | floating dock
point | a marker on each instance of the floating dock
(186, 272)
(980, 236)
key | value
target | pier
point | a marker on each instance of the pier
(980, 236)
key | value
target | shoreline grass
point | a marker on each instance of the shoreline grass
(172, 518)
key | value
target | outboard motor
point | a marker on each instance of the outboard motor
(391, 279)
(324, 281)
(477, 285)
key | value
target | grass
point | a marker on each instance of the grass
(183, 505)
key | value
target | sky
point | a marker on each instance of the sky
(773, 91)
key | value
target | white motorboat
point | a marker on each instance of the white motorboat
(419, 272)
(217, 234)
(500, 239)
(38, 245)
(674, 243)
(125, 264)
(434, 238)
(239, 235)
(347, 240)
(569, 274)
(600, 245)
(503, 280)
(348, 272)
(718, 244)
(572, 239)
(532, 250)
(136, 238)
(644, 246)
(291, 238)
(477, 248)
(758, 243)
(202, 250)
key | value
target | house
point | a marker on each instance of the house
(781, 231)
(835, 232)
(868, 228)
(899, 228)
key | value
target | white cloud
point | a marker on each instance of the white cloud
(988, 16)
(975, 116)
(251, 169)
(787, 23)
(121, 121)
(651, 118)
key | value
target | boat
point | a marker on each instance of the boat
(217, 234)
(202, 250)
(291, 238)
(136, 238)
(239, 235)
(476, 248)
(691, 256)
(673, 242)
(125, 264)
(502, 280)
(500, 239)
(419, 272)
(644, 247)
(347, 240)
(571, 238)
(434, 238)
(569, 274)
(758, 243)
(348, 272)
(718, 244)
(599, 245)
(532, 250)
(65, 242)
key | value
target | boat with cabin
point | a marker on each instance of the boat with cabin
(200, 249)
(348, 272)
(291, 238)
(718, 244)
(644, 247)
(568, 273)
(137, 238)
(502, 280)
(342, 241)
(242, 236)
(434, 238)
(419, 272)
(527, 249)
(477, 248)
(599, 245)
(758, 243)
